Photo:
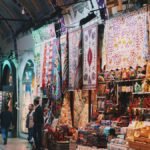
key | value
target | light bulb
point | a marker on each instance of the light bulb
(23, 11)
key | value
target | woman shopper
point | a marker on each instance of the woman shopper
(30, 123)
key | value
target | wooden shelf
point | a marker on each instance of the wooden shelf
(141, 108)
(134, 80)
(141, 93)
(120, 81)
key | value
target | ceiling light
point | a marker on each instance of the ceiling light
(23, 11)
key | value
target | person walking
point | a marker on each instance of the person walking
(38, 120)
(6, 120)
(30, 123)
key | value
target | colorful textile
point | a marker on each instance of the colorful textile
(90, 46)
(64, 61)
(55, 79)
(47, 32)
(65, 116)
(126, 40)
(80, 108)
(47, 63)
(63, 27)
(75, 60)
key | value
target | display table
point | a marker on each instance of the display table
(117, 147)
(80, 147)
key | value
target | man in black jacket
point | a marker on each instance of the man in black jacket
(6, 120)
(38, 123)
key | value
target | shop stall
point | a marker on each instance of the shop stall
(94, 96)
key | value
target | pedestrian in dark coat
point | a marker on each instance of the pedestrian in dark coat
(6, 120)
(38, 120)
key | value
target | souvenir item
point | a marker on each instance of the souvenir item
(125, 74)
(137, 87)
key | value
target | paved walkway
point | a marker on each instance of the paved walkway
(15, 144)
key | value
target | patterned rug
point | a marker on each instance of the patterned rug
(75, 60)
(90, 46)
(64, 61)
(126, 40)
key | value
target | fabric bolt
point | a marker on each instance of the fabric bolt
(64, 61)
(124, 45)
(90, 45)
(55, 79)
(75, 60)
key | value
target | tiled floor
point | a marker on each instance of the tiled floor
(15, 144)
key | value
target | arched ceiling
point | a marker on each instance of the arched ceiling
(12, 21)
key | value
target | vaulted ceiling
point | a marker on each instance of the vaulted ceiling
(18, 15)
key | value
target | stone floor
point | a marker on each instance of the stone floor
(15, 144)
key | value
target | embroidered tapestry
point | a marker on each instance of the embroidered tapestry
(75, 60)
(90, 46)
(64, 61)
(55, 79)
(126, 40)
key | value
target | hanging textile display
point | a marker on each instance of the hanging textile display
(64, 61)
(55, 77)
(75, 60)
(47, 63)
(80, 108)
(65, 115)
(37, 59)
(125, 40)
(90, 46)
(43, 53)
(47, 32)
